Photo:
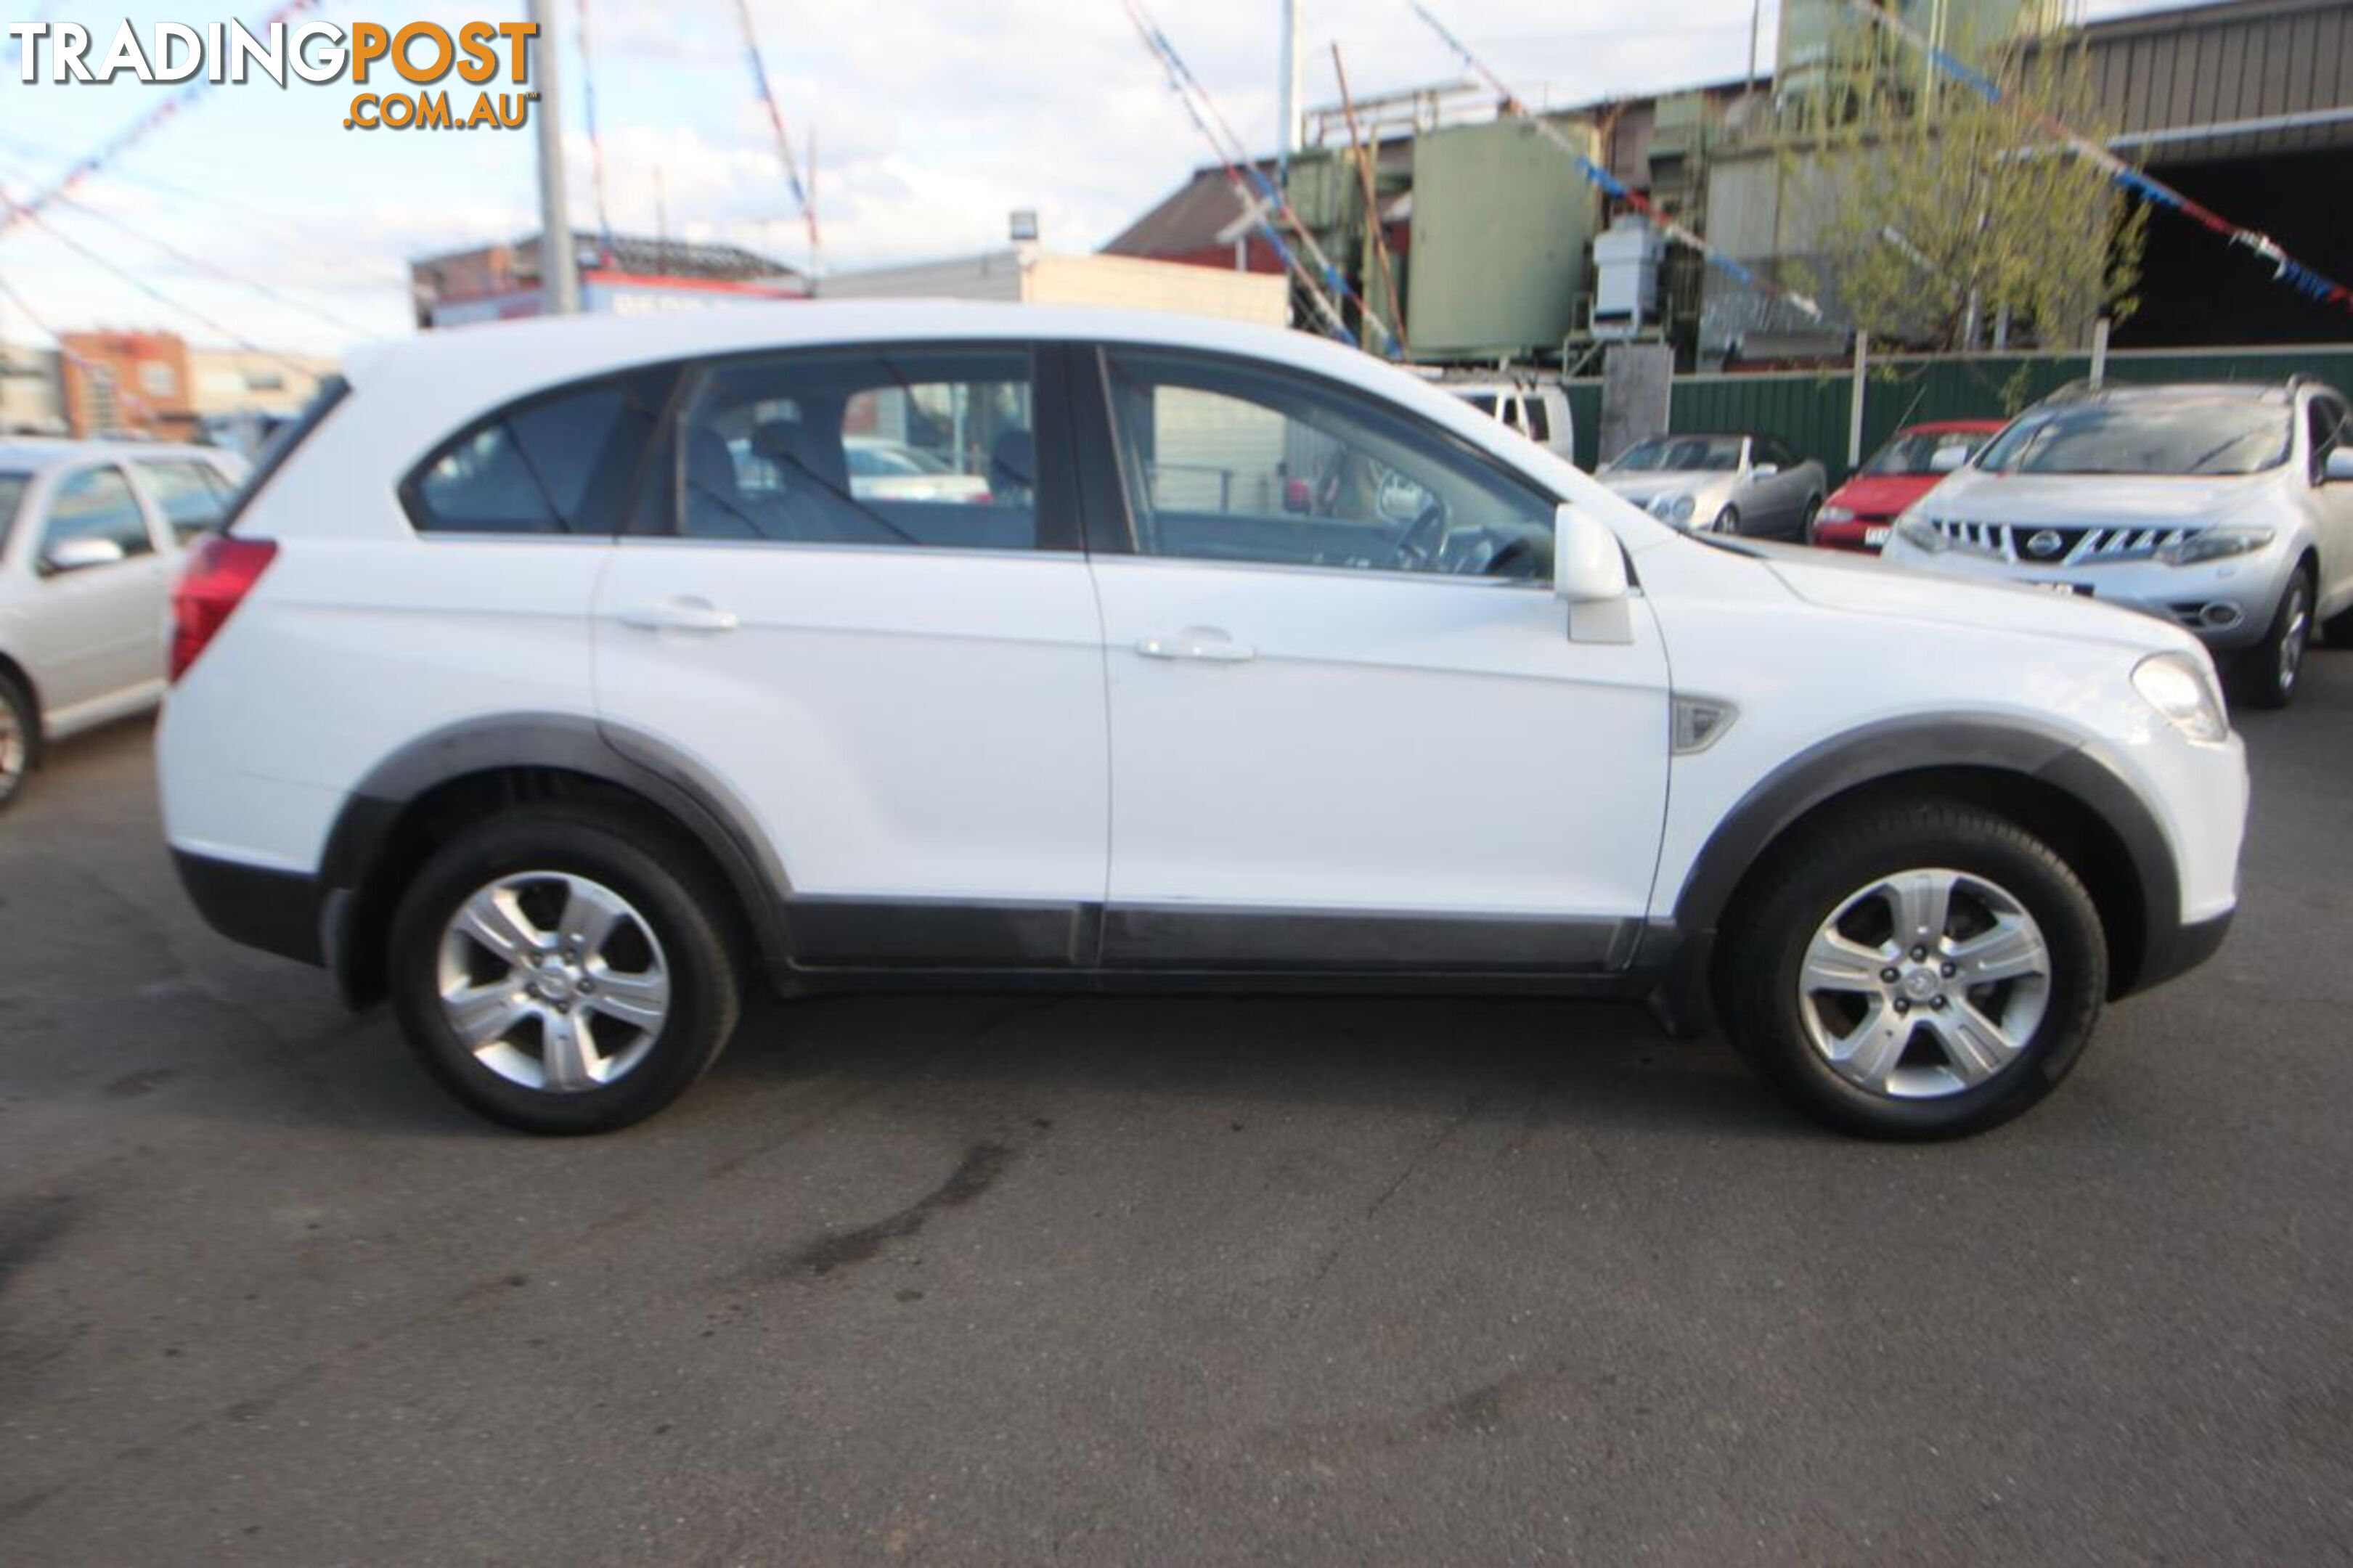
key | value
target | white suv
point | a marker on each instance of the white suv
(2226, 508)
(557, 681)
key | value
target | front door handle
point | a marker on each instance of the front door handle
(1205, 644)
(679, 613)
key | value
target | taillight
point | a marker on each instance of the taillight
(219, 573)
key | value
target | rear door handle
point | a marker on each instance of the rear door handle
(1204, 643)
(679, 613)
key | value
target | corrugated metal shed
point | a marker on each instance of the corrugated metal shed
(2230, 80)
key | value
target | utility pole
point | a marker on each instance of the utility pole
(1286, 108)
(559, 277)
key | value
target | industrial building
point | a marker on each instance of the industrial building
(1500, 248)
(1023, 273)
(620, 274)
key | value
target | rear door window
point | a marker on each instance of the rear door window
(899, 446)
(97, 503)
(192, 495)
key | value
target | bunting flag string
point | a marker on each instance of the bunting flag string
(136, 131)
(1259, 196)
(1610, 184)
(776, 124)
(2305, 280)
(16, 212)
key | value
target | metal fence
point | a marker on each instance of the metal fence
(1811, 409)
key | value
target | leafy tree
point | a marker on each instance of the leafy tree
(1941, 219)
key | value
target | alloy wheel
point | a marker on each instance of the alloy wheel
(553, 981)
(2295, 634)
(15, 751)
(1924, 983)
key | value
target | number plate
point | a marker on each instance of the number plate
(1873, 538)
(2081, 590)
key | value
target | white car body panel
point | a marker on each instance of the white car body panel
(1379, 747)
(376, 644)
(901, 722)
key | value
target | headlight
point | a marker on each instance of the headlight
(1835, 514)
(2182, 688)
(1681, 511)
(1921, 534)
(2212, 544)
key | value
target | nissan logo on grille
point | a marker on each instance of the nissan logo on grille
(2046, 542)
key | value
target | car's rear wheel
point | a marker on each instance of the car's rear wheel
(1805, 522)
(2265, 674)
(20, 733)
(562, 968)
(1921, 970)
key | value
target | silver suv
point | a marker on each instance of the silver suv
(2227, 508)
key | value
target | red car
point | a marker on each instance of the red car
(1858, 513)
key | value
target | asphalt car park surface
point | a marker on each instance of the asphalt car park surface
(961, 1278)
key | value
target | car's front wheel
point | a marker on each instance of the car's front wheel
(1914, 970)
(20, 732)
(562, 968)
(2265, 674)
(1725, 521)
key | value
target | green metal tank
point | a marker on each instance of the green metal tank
(1501, 223)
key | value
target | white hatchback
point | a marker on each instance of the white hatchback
(560, 680)
(90, 533)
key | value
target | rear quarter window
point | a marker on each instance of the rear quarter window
(559, 462)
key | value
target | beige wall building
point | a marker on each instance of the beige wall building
(239, 381)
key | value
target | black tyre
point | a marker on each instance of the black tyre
(1919, 969)
(1806, 522)
(564, 969)
(20, 738)
(2265, 674)
(1725, 521)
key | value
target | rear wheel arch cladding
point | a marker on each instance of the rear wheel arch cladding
(385, 831)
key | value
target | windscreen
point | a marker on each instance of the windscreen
(1683, 454)
(2184, 436)
(1915, 452)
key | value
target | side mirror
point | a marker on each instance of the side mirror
(1945, 459)
(1765, 470)
(2337, 468)
(79, 555)
(1588, 574)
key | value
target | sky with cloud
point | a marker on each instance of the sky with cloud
(256, 214)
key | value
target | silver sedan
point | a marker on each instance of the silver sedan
(1723, 484)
